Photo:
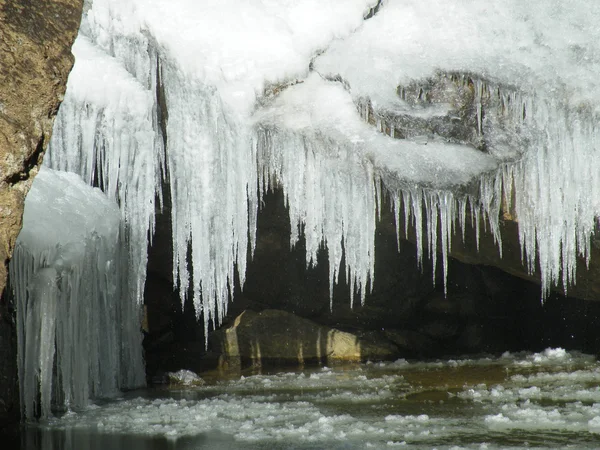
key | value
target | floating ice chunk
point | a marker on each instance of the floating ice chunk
(74, 329)
(185, 377)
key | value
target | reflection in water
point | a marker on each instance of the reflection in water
(544, 400)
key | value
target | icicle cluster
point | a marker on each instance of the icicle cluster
(113, 136)
(213, 180)
(556, 189)
(332, 167)
(332, 199)
(107, 131)
(190, 81)
(77, 338)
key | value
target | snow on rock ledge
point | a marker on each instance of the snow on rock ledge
(70, 315)
(548, 52)
(330, 163)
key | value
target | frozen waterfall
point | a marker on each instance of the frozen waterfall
(338, 111)
(77, 338)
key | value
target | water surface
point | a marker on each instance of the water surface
(530, 400)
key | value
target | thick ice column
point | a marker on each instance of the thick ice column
(73, 318)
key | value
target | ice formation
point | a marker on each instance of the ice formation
(331, 165)
(77, 339)
(211, 66)
(226, 86)
(107, 131)
(541, 59)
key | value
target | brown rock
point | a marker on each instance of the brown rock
(274, 337)
(35, 59)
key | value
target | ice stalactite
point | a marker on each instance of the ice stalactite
(107, 132)
(211, 84)
(74, 328)
(331, 165)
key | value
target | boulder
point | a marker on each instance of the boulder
(274, 337)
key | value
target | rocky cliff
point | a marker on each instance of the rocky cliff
(35, 60)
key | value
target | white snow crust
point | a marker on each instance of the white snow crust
(70, 313)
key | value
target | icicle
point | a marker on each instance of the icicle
(478, 87)
(462, 218)
(417, 210)
(396, 205)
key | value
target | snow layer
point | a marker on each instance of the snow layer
(70, 317)
(539, 46)
(548, 51)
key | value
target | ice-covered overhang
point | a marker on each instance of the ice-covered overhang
(323, 111)
(426, 97)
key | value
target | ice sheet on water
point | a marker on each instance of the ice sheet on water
(70, 318)
(310, 409)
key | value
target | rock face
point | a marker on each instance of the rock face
(35, 59)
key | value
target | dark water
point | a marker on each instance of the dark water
(544, 400)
